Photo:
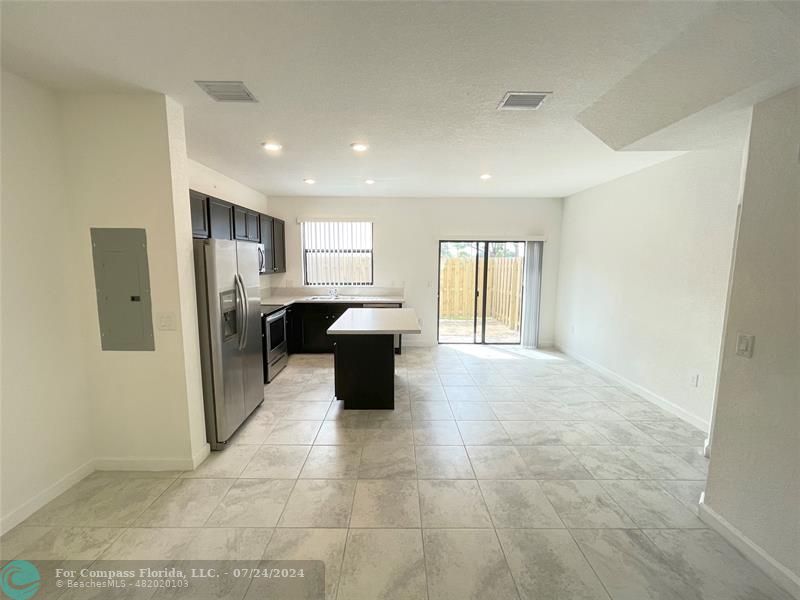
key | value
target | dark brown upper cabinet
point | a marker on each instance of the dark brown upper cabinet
(215, 218)
(266, 240)
(245, 225)
(199, 209)
(279, 245)
(253, 229)
(220, 218)
(239, 223)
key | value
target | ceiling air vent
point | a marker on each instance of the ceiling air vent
(227, 91)
(522, 100)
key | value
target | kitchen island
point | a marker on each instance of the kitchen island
(363, 340)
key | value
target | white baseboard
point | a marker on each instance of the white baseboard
(641, 391)
(418, 343)
(775, 570)
(144, 464)
(19, 514)
(201, 455)
(543, 344)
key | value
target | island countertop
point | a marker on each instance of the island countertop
(376, 321)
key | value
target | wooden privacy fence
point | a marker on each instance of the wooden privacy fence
(503, 297)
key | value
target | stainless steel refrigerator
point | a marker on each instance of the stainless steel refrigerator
(228, 307)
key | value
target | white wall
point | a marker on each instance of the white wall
(406, 234)
(643, 276)
(46, 433)
(119, 174)
(71, 162)
(753, 491)
(184, 254)
(211, 182)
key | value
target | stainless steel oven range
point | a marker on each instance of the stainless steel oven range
(273, 326)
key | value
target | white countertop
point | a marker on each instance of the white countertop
(287, 300)
(376, 321)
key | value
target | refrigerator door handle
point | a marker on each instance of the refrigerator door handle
(240, 308)
(245, 312)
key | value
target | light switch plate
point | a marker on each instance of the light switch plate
(167, 321)
(745, 344)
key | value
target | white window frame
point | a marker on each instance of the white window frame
(332, 233)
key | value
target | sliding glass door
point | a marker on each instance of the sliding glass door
(480, 292)
(458, 299)
(502, 295)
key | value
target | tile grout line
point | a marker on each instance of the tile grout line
(347, 531)
(421, 530)
(497, 537)
(591, 566)
(286, 407)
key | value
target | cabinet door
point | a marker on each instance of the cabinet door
(198, 206)
(219, 217)
(266, 239)
(252, 227)
(337, 310)
(315, 328)
(239, 223)
(294, 328)
(315, 322)
(279, 245)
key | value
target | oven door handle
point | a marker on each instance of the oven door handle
(274, 317)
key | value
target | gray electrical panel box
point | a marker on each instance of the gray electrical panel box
(122, 281)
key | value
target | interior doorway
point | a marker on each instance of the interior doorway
(480, 292)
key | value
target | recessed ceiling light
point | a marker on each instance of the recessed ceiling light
(272, 146)
(369, 181)
(359, 147)
(486, 176)
(310, 181)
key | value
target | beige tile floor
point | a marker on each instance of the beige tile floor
(460, 331)
(501, 473)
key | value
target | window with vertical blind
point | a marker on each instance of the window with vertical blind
(337, 252)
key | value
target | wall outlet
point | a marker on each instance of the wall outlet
(745, 344)
(694, 379)
(167, 321)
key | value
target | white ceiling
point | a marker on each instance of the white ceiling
(418, 81)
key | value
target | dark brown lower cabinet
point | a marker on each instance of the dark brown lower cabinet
(307, 326)
(363, 368)
(316, 318)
